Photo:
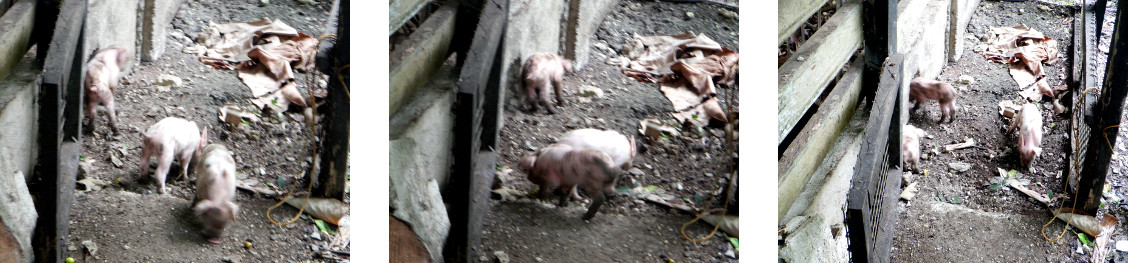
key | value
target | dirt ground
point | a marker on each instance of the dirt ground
(627, 229)
(130, 222)
(957, 216)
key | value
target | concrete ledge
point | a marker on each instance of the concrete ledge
(584, 17)
(399, 11)
(19, 111)
(526, 34)
(415, 198)
(960, 14)
(115, 22)
(803, 77)
(428, 120)
(922, 35)
(16, 25)
(792, 14)
(155, 20)
(18, 148)
(417, 58)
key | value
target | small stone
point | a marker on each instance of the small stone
(909, 192)
(114, 159)
(264, 2)
(314, 248)
(1044, 8)
(730, 253)
(959, 166)
(71, 248)
(635, 171)
(315, 236)
(169, 80)
(965, 79)
(1122, 245)
(590, 91)
(708, 174)
(728, 14)
(501, 256)
(529, 146)
(276, 237)
(483, 258)
(689, 15)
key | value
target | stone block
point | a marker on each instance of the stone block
(156, 19)
(960, 14)
(415, 198)
(428, 119)
(584, 17)
(18, 114)
(17, 24)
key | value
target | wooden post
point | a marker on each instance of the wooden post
(868, 206)
(335, 147)
(879, 30)
(474, 81)
(59, 128)
(1108, 113)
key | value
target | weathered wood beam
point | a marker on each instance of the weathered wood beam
(420, 55)
(1079, 80)
(1108, 112)
(58, 153)
(399, 11)
(15, 36)
(804, 76)
(474, 80)
(805, 153)
(334, 169)
(793, 13)
(872, 159)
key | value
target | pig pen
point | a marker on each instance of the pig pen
(118, 216)
(686, 169)
(958, 215)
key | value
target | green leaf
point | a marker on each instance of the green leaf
(694, 116)
(956, 200)
(735, 242)
(324, 227)
(697, 198)
(274, 101)
(1052, 125)
(996, 186)
(281, 181)
(1011, 173)
(941, 197)
(81, 157)
(246, 122)
(651, 188)
(1084, 239)
(686, 199)
(664, 136)
(499, 167)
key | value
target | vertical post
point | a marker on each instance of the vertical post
(879, 33)
(335, 148)
(1108, 112)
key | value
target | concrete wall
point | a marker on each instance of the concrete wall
(16, 25)
(922, 35)
(960, 13)
(18, 151)
(111, 22)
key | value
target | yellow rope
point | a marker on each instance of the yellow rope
(732, 173)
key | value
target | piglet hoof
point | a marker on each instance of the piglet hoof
(213, 240)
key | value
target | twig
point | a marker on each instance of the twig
(1014, 184)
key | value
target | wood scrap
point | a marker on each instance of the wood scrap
(968, 142)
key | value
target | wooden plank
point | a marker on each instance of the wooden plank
(493, 98)
(334, 169)
(804, 76)
(872, 159)
(57, 163)
(1108, 112)
(471, 91)
(399, 11)
(793, 13)
(15, 38)
(802, 157)
(417, 58)
(480, 198)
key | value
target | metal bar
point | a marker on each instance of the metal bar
(335, 148)
(879, 30)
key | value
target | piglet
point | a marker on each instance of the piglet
(612, 143)
(168, 138)
(910, 146)
(103, 72)
(921, 90)
(542, 70)
(560, 168)
(1029, 123)
(215, 191)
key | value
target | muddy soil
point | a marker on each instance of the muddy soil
(958, 216)
(627, 228)
(130, 222)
